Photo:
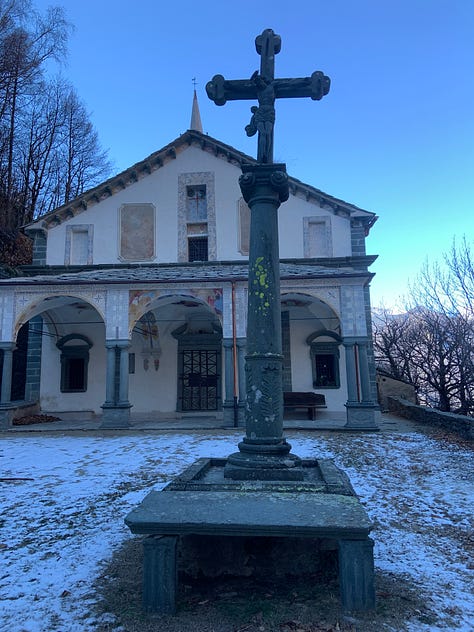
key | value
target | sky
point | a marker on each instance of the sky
(394, 135)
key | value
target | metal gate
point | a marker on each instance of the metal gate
(199, 380)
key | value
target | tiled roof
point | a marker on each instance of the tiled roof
(184, 273)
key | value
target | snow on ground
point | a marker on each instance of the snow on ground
(58, 529)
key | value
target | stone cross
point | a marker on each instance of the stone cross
(265, 88)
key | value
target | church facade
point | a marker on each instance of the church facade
(135, 303)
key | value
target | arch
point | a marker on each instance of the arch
(62, 342)
(325, 356)
(47, 302)
(186, 299)
(328, 297)
(308, 320)
(323, 333)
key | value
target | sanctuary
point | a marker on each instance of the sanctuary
(135, 303)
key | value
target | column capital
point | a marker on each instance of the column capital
(349, 341)
(8, 346)
(123, 343)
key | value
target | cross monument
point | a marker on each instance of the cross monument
(265, 88)
(264, 453)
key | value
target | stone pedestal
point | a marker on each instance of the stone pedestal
(115, 416)
(322, 508)
(362, 416)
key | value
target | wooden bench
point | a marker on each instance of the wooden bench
(310, 401)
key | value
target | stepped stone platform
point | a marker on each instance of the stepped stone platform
(320, 508)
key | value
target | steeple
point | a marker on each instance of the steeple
(196, 124)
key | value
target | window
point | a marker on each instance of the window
(317, 236)
(196, 217)
(325, 370)
(324, 351)
(196, 203)
(79, 245)
(74, 362)
(197, 249)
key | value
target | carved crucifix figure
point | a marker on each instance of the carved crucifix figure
(265, 88)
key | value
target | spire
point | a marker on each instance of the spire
(196, 124)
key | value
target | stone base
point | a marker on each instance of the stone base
(243, 466)
(115, 417)
(223, 526)
(362, 417)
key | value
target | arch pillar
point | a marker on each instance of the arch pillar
(116, 408)
(362, 411)
(7, 408)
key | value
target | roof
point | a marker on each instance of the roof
(192, 272)
(168, 153)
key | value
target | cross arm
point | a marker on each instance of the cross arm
(221, 90)
(315, 87)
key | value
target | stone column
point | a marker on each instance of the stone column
(7, 408)
(351, 372)
(33, 365)
(264, 453)
(241, 349)
(5, 395)
(229, 381)
(116, 408)
(110, 373)
(362, 411)
(123, 375)
(364, 373)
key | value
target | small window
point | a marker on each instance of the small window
(196, 203)
(317, 237)
(325, 370)
(74, 378)
(74, 362)
(79, 239)
(324, 352)
(197, 249)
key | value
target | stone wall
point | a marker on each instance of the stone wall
(389, 387)
(459, 424)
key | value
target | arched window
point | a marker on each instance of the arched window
(324, 351)
(74, 362)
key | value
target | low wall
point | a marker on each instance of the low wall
(461, 425)
(15, 410)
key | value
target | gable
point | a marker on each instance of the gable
(142, 215)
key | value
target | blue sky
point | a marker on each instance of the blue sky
(394, 136)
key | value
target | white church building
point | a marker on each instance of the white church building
(135, 302)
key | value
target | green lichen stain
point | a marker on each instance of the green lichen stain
(261, 281)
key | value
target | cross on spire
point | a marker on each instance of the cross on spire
(265, 88)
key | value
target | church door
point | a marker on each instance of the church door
(199, 380)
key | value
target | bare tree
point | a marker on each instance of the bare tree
(49, 149)
(27, 41)
(432, 344)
